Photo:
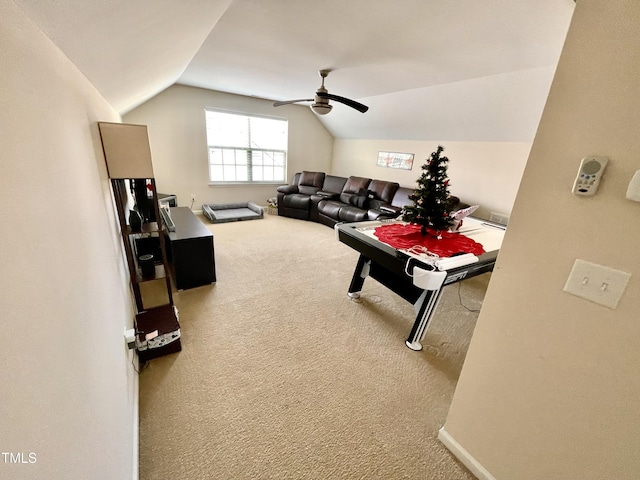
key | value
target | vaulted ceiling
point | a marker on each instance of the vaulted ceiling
(428, 69)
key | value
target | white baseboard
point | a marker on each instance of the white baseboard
(461, 454)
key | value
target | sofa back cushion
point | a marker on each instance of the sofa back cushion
(310, 182)
(401, 198)
(296, 179)
(381, 190)
(333, 184)
(355, 191)
(356, 184)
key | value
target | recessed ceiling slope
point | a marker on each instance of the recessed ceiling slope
(498, 108)
(129, 51)
(273, 49)
(410, 61)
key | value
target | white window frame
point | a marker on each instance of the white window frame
(220, 155)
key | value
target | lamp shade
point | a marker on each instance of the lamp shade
(126, 150)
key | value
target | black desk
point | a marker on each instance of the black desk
(389, 266)
(190, 250)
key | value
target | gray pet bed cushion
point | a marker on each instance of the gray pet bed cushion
(232, 212)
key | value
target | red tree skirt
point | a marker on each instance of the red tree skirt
(407, 236)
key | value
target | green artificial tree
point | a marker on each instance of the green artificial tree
(432, 205)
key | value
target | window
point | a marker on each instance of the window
(246, 148)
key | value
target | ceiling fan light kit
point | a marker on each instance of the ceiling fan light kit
(321, 104)
(320, 108)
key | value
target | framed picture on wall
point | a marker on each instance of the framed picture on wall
(403, 161)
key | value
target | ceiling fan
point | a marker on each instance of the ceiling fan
(321, 104)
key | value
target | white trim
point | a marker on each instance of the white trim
(465, 457)
(135, 474)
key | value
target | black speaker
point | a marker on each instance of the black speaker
(147, 265)
(149, 245)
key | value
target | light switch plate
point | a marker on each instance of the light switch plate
(597, 283)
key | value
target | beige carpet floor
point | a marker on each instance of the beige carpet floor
(282, 376)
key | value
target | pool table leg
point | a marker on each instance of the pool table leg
(425, 306)
(361, 272)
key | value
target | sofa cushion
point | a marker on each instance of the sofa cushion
(381, 190)
(355, 187)
(296, 200)
(375, 204)
(356, 199)
(356, 184)
(307, 190)
(333, 184)
(330, 208)
(352, 214)
(401, 198)
(310, 182)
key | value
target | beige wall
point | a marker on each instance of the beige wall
(178, 140)
(68, 391)
(551, 383)
(483, 173)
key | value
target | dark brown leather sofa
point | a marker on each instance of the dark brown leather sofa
(329, 199)
(295, 200)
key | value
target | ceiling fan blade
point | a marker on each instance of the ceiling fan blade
(347, 101)
(278, 104)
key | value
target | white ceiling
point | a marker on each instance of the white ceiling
(462, 70)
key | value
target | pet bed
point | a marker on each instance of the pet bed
(232, 212)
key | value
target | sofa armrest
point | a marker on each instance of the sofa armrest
(390, 210)
(327, 195)
(384, 212)
(287, 189)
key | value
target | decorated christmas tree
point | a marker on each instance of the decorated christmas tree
(431, 203)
